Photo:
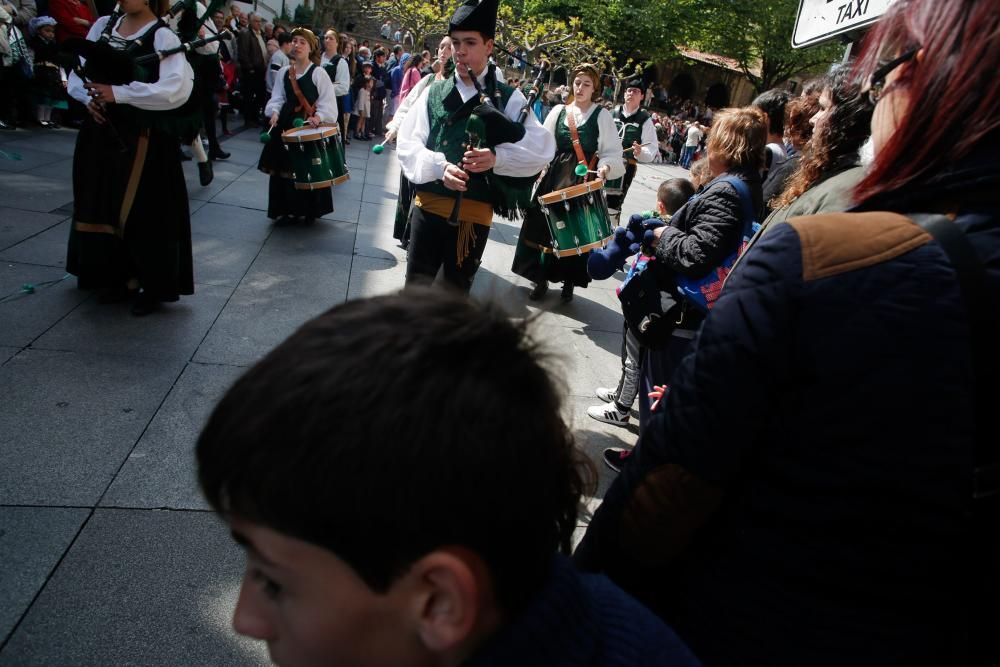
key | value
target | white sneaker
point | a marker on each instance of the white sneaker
(608, 414)
(605, 394)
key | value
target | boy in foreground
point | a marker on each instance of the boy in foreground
(373, 467)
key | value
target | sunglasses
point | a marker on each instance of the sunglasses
(876, 82)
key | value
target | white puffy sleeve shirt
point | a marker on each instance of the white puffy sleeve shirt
(342, 77)
(609, 144)
(422, 165)
(326, 103)
(170, 91)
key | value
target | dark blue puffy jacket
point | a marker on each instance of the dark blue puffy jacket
(803, 498)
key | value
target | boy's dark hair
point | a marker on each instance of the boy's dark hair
(392, 426)
(379, 52)
(674, 193)
(772, 102)
(284, 38)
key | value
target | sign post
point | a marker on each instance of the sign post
(821, 20)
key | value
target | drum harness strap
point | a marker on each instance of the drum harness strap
(571, 122)
(304, 105)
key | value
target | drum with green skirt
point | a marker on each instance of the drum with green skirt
(316, 155)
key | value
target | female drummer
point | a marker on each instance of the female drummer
(303, 91)
(601, 152)
(131, 228)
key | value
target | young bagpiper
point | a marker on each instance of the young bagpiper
(303, 91)
(433, 154)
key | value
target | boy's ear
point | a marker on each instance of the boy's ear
(450, 597)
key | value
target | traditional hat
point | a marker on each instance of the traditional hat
(591, 70)
(635, 83)
(477, 15)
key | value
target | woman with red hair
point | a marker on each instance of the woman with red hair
(806, 496)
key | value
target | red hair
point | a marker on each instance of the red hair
(954, 89)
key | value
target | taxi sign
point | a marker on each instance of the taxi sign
(820, 20)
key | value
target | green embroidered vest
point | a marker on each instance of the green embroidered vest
(448, 117)
(589, 133)
(633, 125)
(309, 91)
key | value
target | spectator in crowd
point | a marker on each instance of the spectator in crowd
(268, 31)
(411, 75)
(807, 495)
(701, 174)
(253, 67)
(363, 107)
(407, 38)
(15, 69)
(693, 138)
(394, 57)
(382, 86)
(235, 24)
(830, 168)
(227, 59)
(73, 18)
(49, 79)
(365, 548)
(385, 31)
(272, 46)
(799, 113)
(21, 12)
(348, 45)
(617, 404)
(279, 59)
(772, 103)
(395, 85)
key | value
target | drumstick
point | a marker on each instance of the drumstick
(626, 150)
(378, 148)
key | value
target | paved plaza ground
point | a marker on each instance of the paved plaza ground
(108, 553)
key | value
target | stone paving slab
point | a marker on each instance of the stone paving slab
(7, 353)
(33, 192)
(70, 420)
(221, 261)
(372, 276)
(27, 316)
(160, 471)
(139, 587)
(17, 225)
(32, 540)
(231, 222)
(47, 248)
(29, 160)
(174, 333)
(282, 290)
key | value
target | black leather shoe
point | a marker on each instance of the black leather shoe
(145, 304)
(218, 154)
(539, 290)
(205, 173)
(567, 292)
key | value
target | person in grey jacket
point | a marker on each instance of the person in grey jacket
(21, 11)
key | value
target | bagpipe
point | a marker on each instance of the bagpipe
(488, 126)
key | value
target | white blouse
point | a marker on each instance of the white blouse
(171, 90)
(423, 165)
(609, 145)
(326, 103)
(342, 80)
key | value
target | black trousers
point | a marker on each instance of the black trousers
(254, 96)
(209, 111)
(433, 246)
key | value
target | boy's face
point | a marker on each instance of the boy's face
(313, 609)
(471, 49)
(47, 32)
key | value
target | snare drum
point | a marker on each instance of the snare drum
(578, 218)
(316, 155)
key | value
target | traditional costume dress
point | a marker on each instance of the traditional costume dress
(130, 204)
(434, 134)
(638, 128)
(533, 257)
(316, 88)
